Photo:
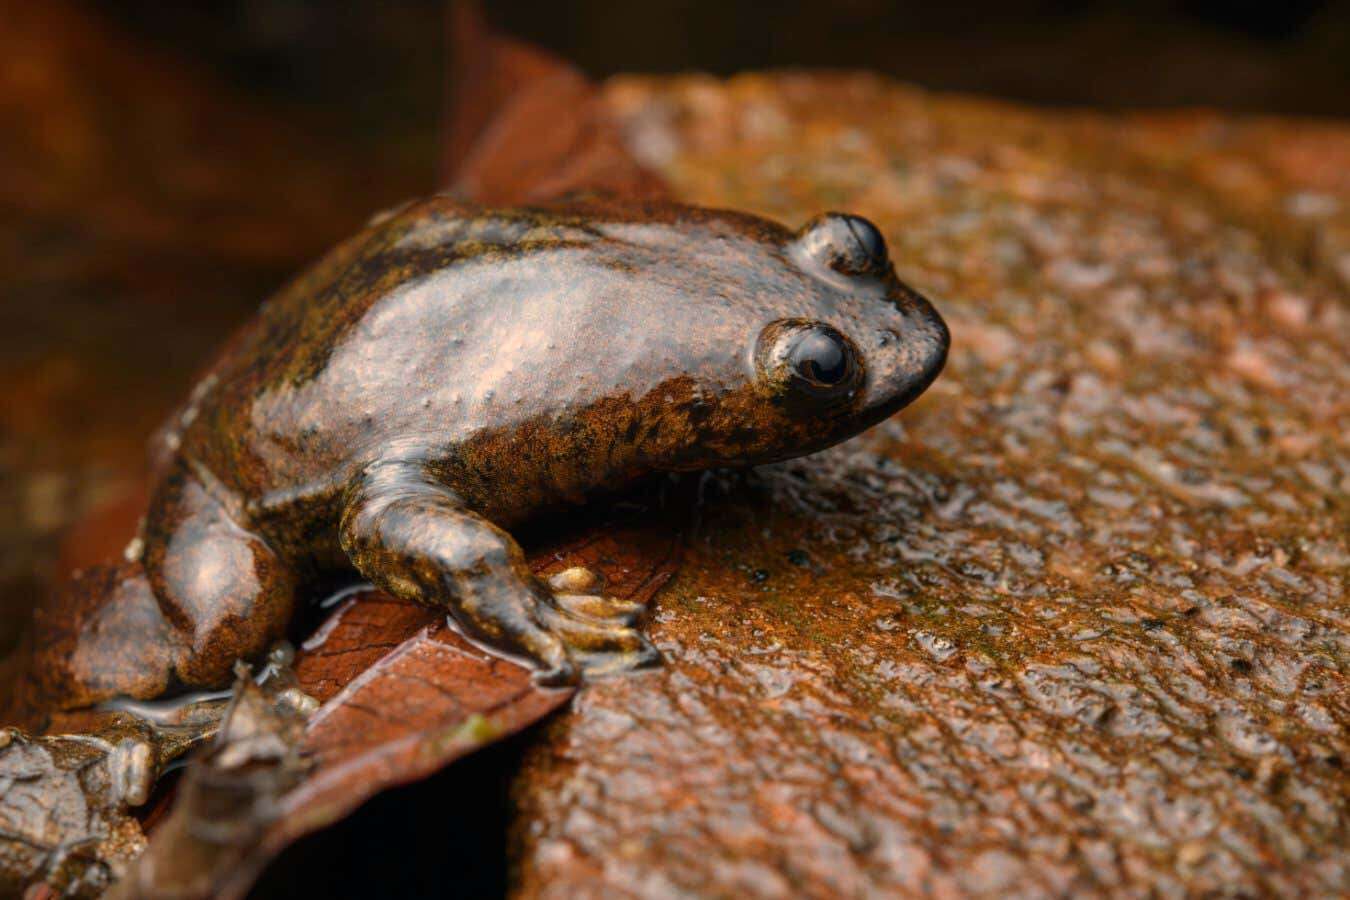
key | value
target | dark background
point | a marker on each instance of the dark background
(1287, 57)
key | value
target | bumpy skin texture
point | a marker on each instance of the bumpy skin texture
(449, 372)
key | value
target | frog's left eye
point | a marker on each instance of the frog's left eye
(808, 360)
(846, 243)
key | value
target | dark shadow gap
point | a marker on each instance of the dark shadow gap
(442, 837)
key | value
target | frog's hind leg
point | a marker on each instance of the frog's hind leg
(221, 589)
(201, 593)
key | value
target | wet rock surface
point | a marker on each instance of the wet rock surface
(1077, 620)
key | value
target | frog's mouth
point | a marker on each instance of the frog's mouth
(910, 352)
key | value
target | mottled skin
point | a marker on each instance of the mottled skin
(452, 370)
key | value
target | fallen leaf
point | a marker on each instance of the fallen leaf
(524, 126)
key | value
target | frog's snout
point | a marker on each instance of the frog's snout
(909, 351)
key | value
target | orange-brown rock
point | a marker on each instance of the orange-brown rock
(1076, 622)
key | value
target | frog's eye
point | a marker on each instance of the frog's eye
(819, 357)
(809, 360)
(848, 244)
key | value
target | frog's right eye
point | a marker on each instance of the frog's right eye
(848, 244)
(808, 361)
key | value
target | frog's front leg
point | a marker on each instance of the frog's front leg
(414, 537)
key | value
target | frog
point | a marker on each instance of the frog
(452, 371)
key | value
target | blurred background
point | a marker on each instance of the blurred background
(1286, 57)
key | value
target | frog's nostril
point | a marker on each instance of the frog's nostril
(887, 337)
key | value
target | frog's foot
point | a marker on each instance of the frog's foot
(598, 635)
(412, 536)
(567, 637)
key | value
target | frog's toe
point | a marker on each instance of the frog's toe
(527, 633)
(574, 580)
(601, 609)
(602, 647)
(598, 665)
(561, 674)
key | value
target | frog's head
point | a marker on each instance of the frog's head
(829, 343)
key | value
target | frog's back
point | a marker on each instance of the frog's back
(295, 333)
(252, 422)
(323, 377)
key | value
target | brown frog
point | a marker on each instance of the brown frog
(452, 370)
